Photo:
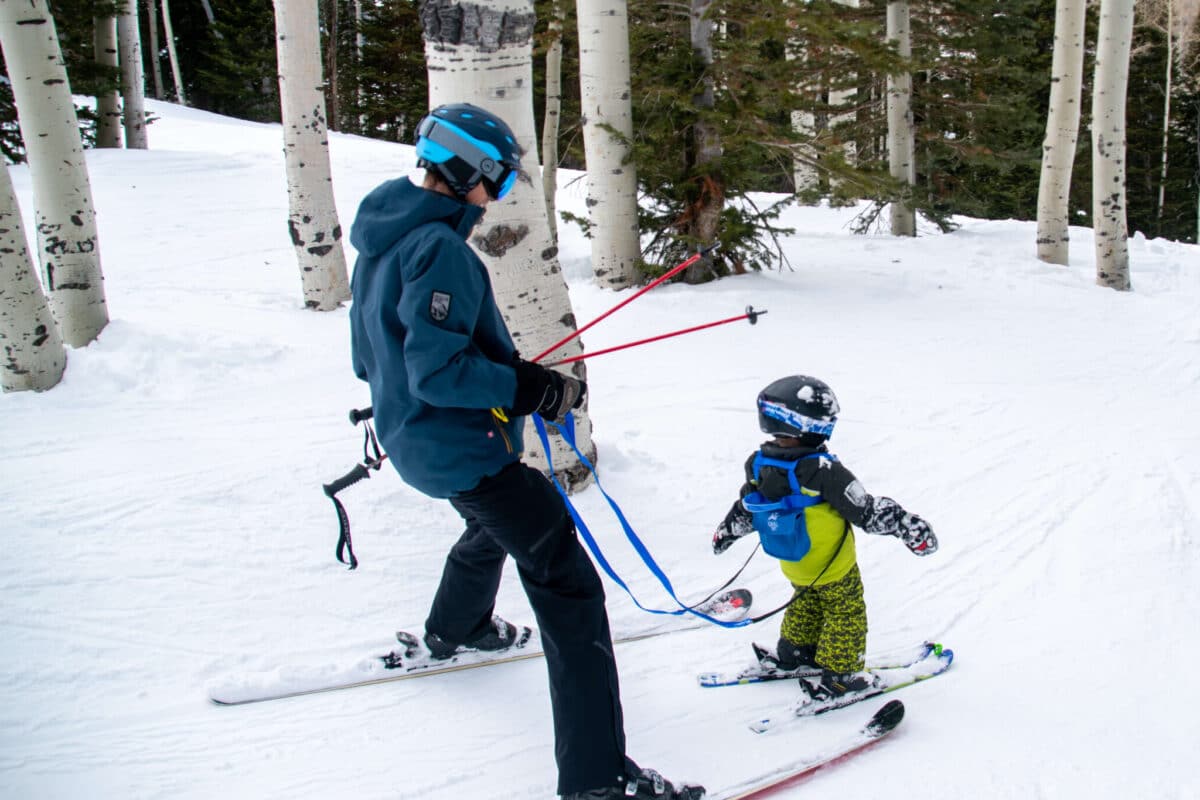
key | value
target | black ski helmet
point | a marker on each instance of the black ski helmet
(466, 144)
(798, 405)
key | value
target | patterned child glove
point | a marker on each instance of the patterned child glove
(917, 535)
(737, 523)
(888, 518)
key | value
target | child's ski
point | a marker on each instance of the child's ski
(883, 722)
(412, 660)
(889, 680)
(766, 668)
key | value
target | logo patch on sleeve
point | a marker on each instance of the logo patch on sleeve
(439, 306)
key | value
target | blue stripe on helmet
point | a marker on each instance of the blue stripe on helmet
(800, 422)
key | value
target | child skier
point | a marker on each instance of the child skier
(802, 502)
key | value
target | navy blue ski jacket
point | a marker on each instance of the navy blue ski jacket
(426, 334)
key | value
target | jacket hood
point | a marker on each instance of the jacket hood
(396, 207)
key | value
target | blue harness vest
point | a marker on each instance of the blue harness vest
(780, 523)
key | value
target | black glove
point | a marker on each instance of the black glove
(737, 523)
(551, 394)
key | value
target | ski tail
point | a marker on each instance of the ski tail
(881, 723)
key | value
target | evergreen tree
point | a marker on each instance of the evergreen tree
(981, 104)
(236, 68)
(389, 90)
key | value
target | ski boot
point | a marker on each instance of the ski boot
(834, 685)
(790, 656)
(502, 636)
(648, 785)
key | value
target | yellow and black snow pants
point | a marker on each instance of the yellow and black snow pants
(833, 617)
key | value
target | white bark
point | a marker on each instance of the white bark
(108, 104)
(901, 158)
(550, 124)
(482, 54)
(312, 214)
(804, 169)
(605, 100)
(1108, 143)
(31, 349)
(705, 222)
(838, 99)
(64, 216)
(155, 51)
(132, 79)
(1062, 133)
(1166, 134)
(169, 35)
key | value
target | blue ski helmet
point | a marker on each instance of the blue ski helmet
(798, 405)
(466, 145)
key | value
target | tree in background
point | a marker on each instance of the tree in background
(64, 214)
(108, 102)
(31, 349)
(980, 104)
(607, 120)
(901, 159)
(312, 215)
(552, 118)
(1062, 133)
(389, 92)
(133, 85)
(237, 67)
(1109, 86)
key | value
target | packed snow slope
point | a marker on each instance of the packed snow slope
(164, 525)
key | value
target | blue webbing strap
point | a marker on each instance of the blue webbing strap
(568, 433)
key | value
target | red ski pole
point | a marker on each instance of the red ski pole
(673, 272)
(750, 314)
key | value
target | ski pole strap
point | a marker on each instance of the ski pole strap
(373, 458)
(567, 429)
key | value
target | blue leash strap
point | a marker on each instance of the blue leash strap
(568, 433)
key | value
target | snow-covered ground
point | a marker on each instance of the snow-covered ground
(163, 522)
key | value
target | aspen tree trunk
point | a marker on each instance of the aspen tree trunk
(839, 98)
(481, 53)
(1062, 133)
(155, 52)
(359, 41)
(108, 104)
(1108, 143)
(132, 79)
(312, 214)
(901, 159)
(32, 355)
(804, 169)
(64, 215)
(606, 103)
(553, 112)
(705, 219)
(331, 64)
(169, 35)
(1162, 179)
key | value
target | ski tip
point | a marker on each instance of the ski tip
(886, 718)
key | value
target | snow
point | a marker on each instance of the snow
(165, 528)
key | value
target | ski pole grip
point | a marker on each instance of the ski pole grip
(358, 415)
(349, 479)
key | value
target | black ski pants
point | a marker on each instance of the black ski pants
(519, 513)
